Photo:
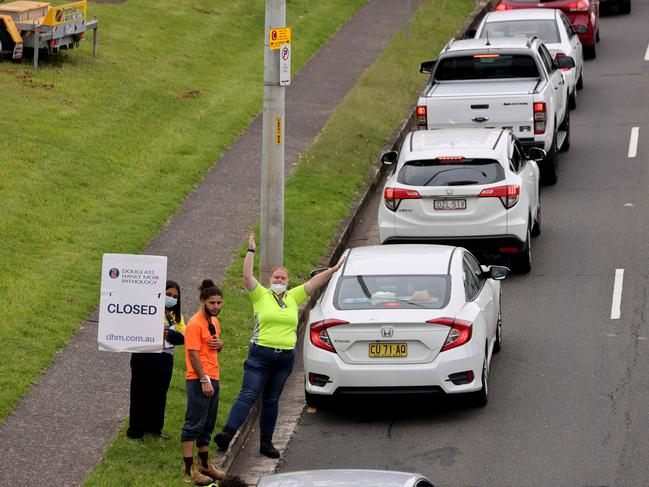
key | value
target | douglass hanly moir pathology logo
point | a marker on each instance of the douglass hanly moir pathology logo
(113, 273)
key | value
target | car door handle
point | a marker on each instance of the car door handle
(480, 119)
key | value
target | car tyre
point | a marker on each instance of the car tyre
(317, 401)
(572, 99)
(580, 81)
(499, 330)
(550, 168)
(624, 7)
(536, 228)
(565, 126)
(480, 398)
(522, 261)
(590, 52)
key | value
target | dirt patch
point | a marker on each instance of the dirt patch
(191, 94)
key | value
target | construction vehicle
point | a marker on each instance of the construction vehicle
(42, 26)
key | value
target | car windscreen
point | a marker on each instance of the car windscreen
(440, 172)
(546, 30)
(486, 66)
(392, 292)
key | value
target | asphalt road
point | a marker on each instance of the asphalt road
(569, 402)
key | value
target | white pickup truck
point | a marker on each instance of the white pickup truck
(510, 83)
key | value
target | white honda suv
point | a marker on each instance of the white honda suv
(472, 187)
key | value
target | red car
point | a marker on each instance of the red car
(583, 15)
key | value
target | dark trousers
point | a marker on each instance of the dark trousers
(200, 416)
(265, 372)
(150, 378)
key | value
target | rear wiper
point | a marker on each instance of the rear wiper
(461, 183)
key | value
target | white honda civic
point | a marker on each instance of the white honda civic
(402, 319)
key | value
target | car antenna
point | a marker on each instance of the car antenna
(488, 43)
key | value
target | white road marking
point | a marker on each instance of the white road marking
(646, 54)
(617, 294)
(633, 142)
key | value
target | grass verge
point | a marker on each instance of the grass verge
(96, 153)
(322, 188)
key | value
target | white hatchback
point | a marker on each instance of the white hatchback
(471, 187)
(404, 319)
(551, 26)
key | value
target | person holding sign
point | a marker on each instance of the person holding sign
(272, 348)
(202, 344)
(151, 373)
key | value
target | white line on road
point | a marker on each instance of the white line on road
(646, 54)
(633, 141)
(617, 294)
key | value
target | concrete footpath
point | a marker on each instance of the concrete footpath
(59, 432)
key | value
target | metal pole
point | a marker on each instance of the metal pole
(94, 39)
(407, 18)
(272, 153)
(37, 44)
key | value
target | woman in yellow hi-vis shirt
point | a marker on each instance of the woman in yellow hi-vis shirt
(272, 348)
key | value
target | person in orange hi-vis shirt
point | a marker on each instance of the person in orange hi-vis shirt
(202, 345)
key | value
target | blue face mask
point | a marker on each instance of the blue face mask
(170, 302)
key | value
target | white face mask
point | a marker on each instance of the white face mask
(278, 288)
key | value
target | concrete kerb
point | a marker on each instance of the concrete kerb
(341, 238)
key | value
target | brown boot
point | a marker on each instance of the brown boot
(210, 470)
(196, 476)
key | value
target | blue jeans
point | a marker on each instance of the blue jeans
(264, 372)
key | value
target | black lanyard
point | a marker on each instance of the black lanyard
(280, 302)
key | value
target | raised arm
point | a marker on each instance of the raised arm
(319, 280)
(248, 262)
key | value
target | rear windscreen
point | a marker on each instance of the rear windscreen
(546, 30)
(489, 66)
(392, 292)
(435, 172)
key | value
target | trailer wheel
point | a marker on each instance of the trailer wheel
(7, 44)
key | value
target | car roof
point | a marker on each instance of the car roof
(488, 44)
(398, 259)
(522, 14)
(442, 140)
(340, 478)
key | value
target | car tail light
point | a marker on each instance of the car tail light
(508, 194)
(320, 337)
(540, 115)
(509, 250)
(560, 55)
(422, 116)
(578, 6)
(459, 334)
(488, 56)
(82, 35)
(450, 158)
(393, 196)
(54, 42)
(500, 7)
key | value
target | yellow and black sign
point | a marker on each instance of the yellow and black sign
(64, 14)
(279, 36)
(278, 130)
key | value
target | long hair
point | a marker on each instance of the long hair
(175, 311)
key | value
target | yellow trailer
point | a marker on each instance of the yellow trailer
(39, 25)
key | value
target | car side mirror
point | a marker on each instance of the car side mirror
(427, 66)
(317, 271)
(580, 29)
(536, 154)
(498, 272)
(389, 158)
(565, 62)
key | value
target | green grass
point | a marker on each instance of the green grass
(324, 185)
(96, 153)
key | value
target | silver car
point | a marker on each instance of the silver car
(345, 478)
